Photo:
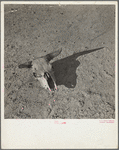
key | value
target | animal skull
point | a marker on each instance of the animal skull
(43, 70)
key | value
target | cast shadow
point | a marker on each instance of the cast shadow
(65, 69)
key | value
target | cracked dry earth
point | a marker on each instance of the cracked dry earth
(85, 75)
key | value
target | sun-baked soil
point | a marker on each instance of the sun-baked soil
(85, 78)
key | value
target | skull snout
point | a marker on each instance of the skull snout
(44, 73)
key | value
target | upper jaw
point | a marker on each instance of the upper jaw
(50, 81)
(47, 81)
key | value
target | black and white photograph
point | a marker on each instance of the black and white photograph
(59, 61)
(59, 74)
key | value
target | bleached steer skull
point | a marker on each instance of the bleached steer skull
(43, 70)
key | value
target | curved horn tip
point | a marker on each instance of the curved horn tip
(60, 50)
(50, 56)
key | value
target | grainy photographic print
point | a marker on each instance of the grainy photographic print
(59, 61)
(59, 74)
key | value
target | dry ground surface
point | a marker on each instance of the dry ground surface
(85, 75)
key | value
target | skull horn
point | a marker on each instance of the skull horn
(50, 56)
(26, 65)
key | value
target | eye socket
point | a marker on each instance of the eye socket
(35, 75)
